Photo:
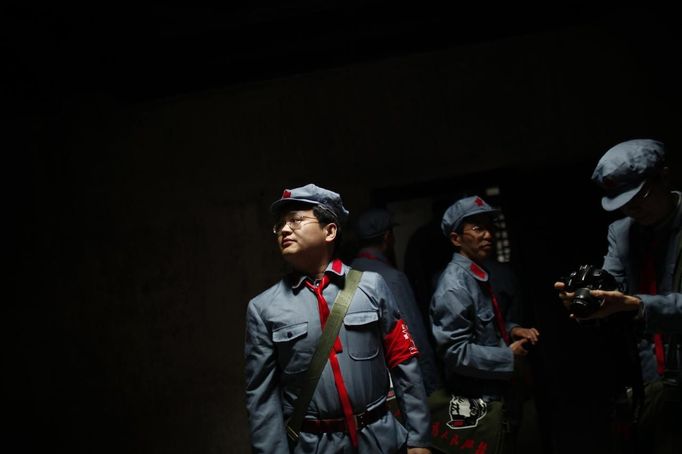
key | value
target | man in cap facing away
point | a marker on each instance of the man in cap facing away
(476, 345)
(347, 411)
(374, 229)
(644, 257)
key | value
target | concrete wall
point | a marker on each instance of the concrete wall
(145, 227)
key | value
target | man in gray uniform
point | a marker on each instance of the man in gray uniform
(374, 229)
(347, 412)
(476, 345)
(644, 256)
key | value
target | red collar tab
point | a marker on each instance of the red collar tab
(478, 272)
(479, 201)
(286, 194)
(337, 265)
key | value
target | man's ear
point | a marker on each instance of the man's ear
(455, 239)
(330, 232)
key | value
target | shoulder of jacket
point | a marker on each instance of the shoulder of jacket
(269, 294)
(622, 223)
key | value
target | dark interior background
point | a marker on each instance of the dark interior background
(144, 147)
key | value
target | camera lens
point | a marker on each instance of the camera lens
(583, 303)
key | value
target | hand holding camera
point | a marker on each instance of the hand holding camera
(590, 292)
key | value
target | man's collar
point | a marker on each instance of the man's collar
(672, 220)
(676, 216)
(471, 267)
(372, 253)
(335, 268)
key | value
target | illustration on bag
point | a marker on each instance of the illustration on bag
(465, 412)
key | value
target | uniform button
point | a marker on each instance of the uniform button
(289, 334)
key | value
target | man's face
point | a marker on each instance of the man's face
(650, 205)
(298, 232)
(476, 239)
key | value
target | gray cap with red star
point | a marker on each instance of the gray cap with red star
(463, 208)
(313, 195)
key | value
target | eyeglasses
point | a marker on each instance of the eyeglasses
(479, 229)
(293, 223)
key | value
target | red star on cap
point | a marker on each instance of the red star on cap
(286, 194)
(479, 201)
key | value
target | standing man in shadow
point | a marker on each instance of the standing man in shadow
(374, 229)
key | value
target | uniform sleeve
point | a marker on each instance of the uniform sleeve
(452, 318)
(509, 326)
(663, 313)
(263, 403)
(409, 390)
(407, 378)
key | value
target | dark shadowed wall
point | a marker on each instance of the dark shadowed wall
(142, 229)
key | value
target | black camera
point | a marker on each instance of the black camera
(581, 281)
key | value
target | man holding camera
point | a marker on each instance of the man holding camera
(644, 257)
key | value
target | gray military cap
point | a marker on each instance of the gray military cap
(373, 223)
(463, 208)
(624, 169)
(313, 195)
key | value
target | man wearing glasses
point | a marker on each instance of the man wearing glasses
(644, 256)
(347, 412)
(476, 345)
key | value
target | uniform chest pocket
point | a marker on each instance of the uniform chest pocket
(362, 335)
(293, 355)
(485, 329)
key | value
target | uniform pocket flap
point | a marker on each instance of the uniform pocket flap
(290, 332)
(360, 318)
(485, 316)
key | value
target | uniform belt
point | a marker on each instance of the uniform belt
(339, 424)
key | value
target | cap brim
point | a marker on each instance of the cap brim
(282, 202)
(614, 203)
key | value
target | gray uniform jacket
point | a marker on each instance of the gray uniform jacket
(374, 260)
(477, 363)
(282, 331)
(662, 312)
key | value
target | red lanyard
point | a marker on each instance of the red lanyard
(346, 405)
(499, 319)
(647, 285)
